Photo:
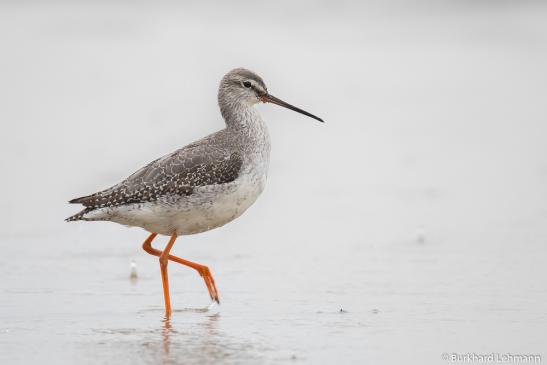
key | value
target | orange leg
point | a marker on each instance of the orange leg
(164, 277)
(201, 269)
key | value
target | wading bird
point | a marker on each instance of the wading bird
(201, 186)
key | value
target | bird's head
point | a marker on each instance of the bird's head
(243, 86)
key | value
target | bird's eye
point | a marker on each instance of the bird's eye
(247, 84)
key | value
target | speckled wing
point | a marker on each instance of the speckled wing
(198, 164)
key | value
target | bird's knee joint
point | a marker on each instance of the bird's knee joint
(163, 261)
(204, 271)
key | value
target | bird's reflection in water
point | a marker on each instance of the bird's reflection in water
(197, 342)
(191, 336)
(209, 335)
(166, 335)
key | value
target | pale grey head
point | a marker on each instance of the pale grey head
(243, 87)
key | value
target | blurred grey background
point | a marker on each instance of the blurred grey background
(419, 208)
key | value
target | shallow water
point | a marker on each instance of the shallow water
(354, 304)
(412, 224)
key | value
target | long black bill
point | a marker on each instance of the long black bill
(272, 99)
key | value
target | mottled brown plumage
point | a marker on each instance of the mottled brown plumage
(213, 160)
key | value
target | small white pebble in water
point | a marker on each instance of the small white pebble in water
(133, 273)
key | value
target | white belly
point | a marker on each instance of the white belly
(206, 208)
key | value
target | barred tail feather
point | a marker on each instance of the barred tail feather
(78, 216)
(91, 214)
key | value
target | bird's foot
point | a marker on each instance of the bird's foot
(210, 282)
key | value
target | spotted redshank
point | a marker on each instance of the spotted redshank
(201, 186)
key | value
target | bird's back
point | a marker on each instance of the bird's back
(213, 160)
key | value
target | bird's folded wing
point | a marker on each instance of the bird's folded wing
(174, 174)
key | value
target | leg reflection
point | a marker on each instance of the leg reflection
(166, 332)
(192, 341)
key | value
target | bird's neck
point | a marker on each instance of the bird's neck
(244, 121)
(241, 116)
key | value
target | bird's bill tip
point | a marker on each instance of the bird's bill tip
(268, 98)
